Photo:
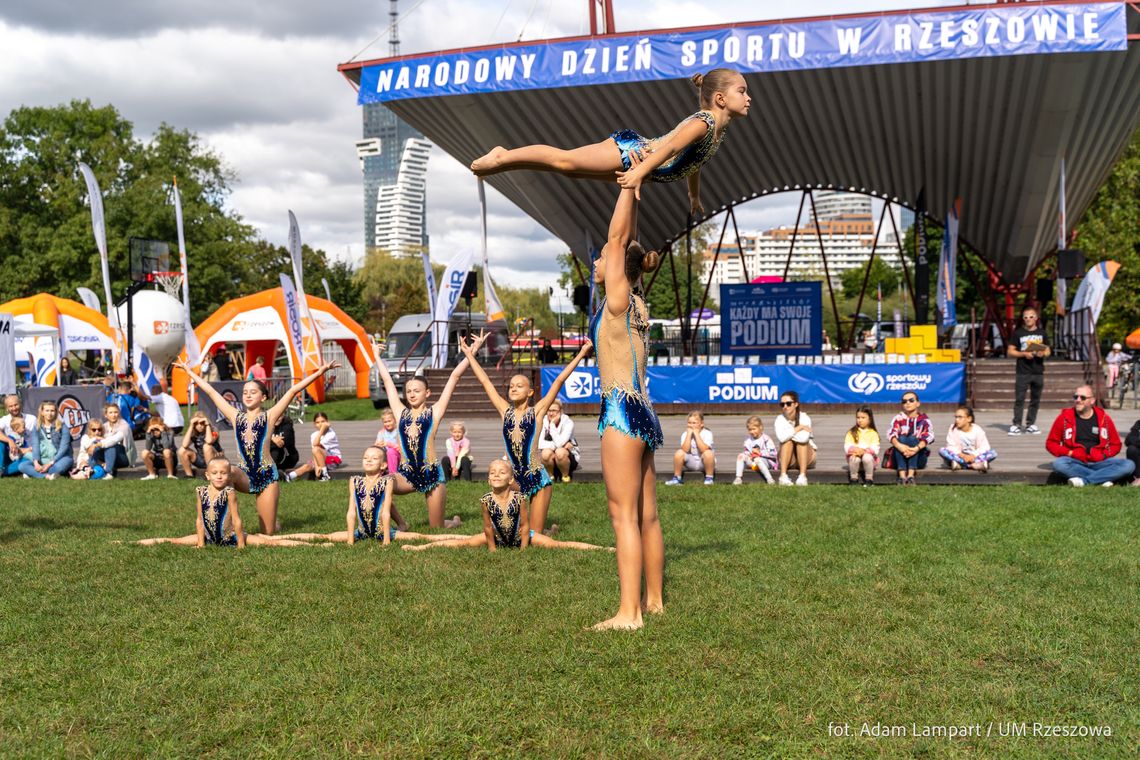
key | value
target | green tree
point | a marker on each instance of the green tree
(882, 274)
(390, 287)
(1110, 231)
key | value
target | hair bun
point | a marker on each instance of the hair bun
(650, 261)
(697, 80)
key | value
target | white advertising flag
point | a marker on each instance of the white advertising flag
(7, 354)
(311, 339)
(293, 320)
(495, 310)
(193, 350)
(449, 289)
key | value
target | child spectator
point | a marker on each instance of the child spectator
(159, 443)
(200, 444)
(696, 452)
(910, 437)
(388, 439)
(167, 408)
(457, 463)
(85, 469)
(759, 453)
(326, 451)
(966, 443)
(1112, 361)
(861, 446)
(20, 452)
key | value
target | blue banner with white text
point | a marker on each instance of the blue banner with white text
(767, 320)
(763, 383)
(787, 46)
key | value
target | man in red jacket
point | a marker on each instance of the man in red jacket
(1084, 440)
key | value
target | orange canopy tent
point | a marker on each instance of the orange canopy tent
(259, 321)
(80, 329)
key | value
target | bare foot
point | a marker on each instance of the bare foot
(551, 530)
(454, 522)
(490, 162)
(653, 609)
(618, 623)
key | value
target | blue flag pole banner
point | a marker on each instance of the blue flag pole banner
(767, 320)
(763, 383)
(932, 35)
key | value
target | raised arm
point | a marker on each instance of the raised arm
(552, 393)
(389, 386)
(225, 407)
(440, 407)
(282, 404)
(470, 350)
(623, 224)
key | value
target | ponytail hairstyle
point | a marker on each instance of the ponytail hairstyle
(708, 85)
(870, 424)
(638, 261)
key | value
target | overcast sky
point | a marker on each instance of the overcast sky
(258, 81)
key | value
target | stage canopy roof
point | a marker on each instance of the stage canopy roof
(978, 102)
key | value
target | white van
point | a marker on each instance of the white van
(408, 350)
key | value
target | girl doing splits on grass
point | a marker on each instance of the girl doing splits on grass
(505, 521)
(628, 425)
(219, 523)
(521, 425)
(671, 157)
(416, 426)
(256, 474)
(369, 515)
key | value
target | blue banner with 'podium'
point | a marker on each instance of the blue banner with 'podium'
(763, 383)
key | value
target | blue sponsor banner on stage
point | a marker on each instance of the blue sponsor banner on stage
(821, 44)
(763, 383)
(769, 320)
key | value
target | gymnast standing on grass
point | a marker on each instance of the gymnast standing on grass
(671, 157)
(416, 426)
(370, 508)
(505, 521)
(256, 474)
(628, 425)
(219, 523)
(521, 427)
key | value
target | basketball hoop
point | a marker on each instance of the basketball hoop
(171, 282)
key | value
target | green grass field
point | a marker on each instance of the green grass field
(789, 611)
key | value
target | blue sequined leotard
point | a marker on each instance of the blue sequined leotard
(689, 160)
(505, 519)
(621, 343)
(258, 466)
(419, 466)
(519, 435)
(368, 503)
(216, 517)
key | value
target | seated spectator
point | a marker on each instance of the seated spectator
(67, 375)
(283, 444)
(111, 452)
(457, 463)
(794, 439)
(696, 453)
(911, 435)
(388, 440)
(547, 354)
(759, 455)
(19, 434)
(1132, 442)
(12, 443)
(1112, 361)
(861, 447)
(201, 443)
(50, 454)
(1084, 441)
(326, 452)
(85, 469)
(966, 443)
(556, 444)
(159, 442)
(167, 408)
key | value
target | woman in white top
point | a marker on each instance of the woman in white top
(794, 439)
(556, 445)
(111, 450)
